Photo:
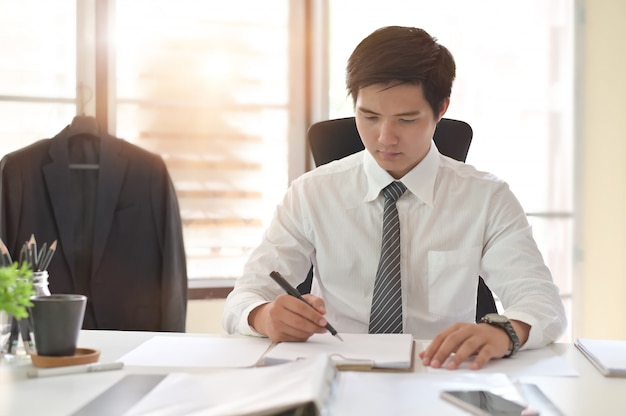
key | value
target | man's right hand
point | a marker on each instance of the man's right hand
(289, 319)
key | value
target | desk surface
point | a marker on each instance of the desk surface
(588, 394)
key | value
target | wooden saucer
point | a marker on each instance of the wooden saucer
(82, 356)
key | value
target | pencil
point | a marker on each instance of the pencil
(32, 251)
(24, 326)
(48, 257)
(22, 258)
(42, 252)
(6, 256)
(12, 340)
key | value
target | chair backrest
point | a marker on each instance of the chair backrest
(334, 139)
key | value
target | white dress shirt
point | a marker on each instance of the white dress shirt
(456, 224)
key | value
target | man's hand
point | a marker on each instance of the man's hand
(289, 319)
(452, 346)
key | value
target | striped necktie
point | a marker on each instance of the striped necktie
(386, 314)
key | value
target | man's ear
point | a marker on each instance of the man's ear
(443, 108)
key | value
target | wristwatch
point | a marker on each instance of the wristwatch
(501, 321)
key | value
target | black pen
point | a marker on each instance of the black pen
(294, 292)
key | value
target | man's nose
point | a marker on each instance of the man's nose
(387, 135)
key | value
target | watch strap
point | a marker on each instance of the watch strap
(504, 323)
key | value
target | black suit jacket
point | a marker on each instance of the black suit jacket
(137, 279)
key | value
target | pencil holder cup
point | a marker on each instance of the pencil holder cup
(40, 283)
(57, 320)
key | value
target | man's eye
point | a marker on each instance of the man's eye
(404, 120)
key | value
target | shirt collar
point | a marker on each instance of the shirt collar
(420, 180)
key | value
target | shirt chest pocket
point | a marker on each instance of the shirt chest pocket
(453, 282)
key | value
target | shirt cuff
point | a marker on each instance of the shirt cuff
(535, 338)
(244, 328)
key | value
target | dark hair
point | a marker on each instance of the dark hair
(405, 55)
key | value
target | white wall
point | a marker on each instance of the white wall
(205, 316)
(600, 287)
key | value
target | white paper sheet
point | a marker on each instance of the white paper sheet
(374, 393)
(537, 362)
(207, 352)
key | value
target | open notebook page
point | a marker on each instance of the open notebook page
(357, 351)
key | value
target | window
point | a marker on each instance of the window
(38, 82)
(203, 84)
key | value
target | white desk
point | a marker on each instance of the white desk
(589, 394)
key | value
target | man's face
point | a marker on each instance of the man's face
(396, 125)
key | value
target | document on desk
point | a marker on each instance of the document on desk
(200, 351)
(302, 387)
(540, 362)
(609, 356)
(356, 352)
(375, 393)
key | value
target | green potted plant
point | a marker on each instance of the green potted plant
(16, 288)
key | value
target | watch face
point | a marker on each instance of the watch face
(494, 317)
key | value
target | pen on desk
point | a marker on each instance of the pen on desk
(294, 292)
(73, 369)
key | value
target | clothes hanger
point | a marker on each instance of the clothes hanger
(85, 126)
(82, 124)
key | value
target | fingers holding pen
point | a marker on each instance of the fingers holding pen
(316, 303)
(307, 315)
(289, 319)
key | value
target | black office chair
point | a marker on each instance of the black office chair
(334, 139)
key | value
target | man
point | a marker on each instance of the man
(456, 223)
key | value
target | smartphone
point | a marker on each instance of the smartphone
(482, 402)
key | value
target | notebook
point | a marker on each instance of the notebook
(609, 356)
(391, 352)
